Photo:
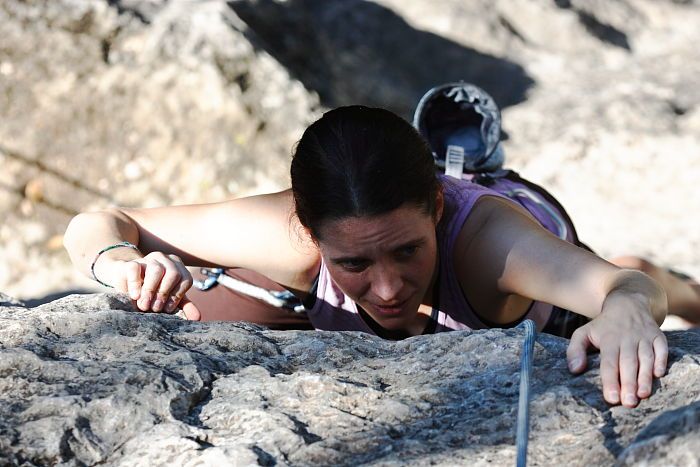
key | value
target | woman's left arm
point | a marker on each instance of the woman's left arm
(626, 306)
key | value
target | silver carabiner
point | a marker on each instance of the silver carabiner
(280, 299)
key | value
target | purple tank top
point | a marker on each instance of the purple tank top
(335, 311)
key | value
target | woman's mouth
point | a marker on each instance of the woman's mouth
(393, 309)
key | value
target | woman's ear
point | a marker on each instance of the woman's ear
(439, 204)
(303, 233)
(309, 236)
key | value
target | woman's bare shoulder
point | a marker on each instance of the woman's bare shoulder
(477, 258)
(478, 223)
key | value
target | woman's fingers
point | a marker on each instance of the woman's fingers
(576, 351)
(190, 310)
(165, 281)
(645, 353)
(171, 280)
(134, 279)
(629, 372)
(629, 358)
(660, 355)
(157, 283)
(151, 283)
(178, 292)
(610, 372)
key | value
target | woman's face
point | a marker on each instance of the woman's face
(385, 263)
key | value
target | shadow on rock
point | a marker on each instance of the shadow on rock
(667, 437)
(358, 52)
(33, 302)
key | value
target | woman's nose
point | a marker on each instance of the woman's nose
(387, 284)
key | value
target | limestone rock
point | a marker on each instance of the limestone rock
(84, 380)
(134, 103)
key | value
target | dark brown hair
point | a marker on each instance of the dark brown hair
(360, 161)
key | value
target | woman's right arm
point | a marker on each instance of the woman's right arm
(258, 233)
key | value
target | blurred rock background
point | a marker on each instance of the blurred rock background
(145, 103)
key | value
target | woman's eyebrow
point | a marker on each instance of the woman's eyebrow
(345, 259)
(411, 243)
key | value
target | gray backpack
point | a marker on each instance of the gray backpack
(462, 125)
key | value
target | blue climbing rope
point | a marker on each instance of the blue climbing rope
(523, 430)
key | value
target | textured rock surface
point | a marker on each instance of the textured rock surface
(155, 102)
(85, 381)
(133, 103)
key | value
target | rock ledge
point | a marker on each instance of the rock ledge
(84, 380)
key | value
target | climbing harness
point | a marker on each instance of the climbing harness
(523, 426)
(280, 299)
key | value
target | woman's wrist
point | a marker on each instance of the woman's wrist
(120, 251)
(642, 291)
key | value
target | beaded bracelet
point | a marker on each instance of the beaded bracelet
(111, 247)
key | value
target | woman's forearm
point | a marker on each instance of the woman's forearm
(88, 233)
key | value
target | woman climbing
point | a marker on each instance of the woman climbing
(370, 238)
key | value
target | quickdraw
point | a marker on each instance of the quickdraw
(280, 299)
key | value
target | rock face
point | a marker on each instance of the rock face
(134, 103)
(85, 381)
(156, 102)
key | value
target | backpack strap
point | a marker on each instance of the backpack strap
(488, 180)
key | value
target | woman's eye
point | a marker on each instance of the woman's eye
(354, 266)
(407, 252)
